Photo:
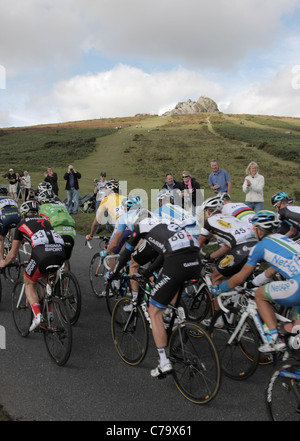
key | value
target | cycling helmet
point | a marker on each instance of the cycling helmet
(113, 185)
(131, 201)
(268, 220)
(44, 186)
(279, 196)
(165, 196)
(45, 196)
(214, 204)
(3, 190)
(141, 215)
(224, 196)
(28, 207)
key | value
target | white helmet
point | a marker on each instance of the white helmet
(214, 204)
(141, 214)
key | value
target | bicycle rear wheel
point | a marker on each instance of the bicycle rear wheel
(198, 301)
(240, 358)
(21, 310)
(129, 332)
(195, 361)
(283, 392)
(96, 275)
(68, 290)
(57, 331)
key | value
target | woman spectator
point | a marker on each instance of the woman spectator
(191, 191)
(253, 187)
(26, 184)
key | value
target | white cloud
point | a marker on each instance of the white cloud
(126, 91)
(278, 96)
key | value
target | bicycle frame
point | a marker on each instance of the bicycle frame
(249, 310)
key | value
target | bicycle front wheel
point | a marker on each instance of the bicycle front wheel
(239, 359)
(283, 392)
(68, 290)
(12, 273)
(195, 361)
(129, 332)
(96, 275)
(21, 309)
(57, 331)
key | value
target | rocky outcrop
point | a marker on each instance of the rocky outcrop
(203, 104)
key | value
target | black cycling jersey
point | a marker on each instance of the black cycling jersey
(47, 245)
(290, 215)
(164, 237)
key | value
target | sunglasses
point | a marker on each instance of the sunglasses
(185, 177)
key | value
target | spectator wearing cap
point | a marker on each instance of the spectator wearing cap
(13, 179)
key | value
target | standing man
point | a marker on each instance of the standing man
(51, 177)
(13, 179)
(72, 187)
(174, 187)
(219, 179)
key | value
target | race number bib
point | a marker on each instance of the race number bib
(179, 240)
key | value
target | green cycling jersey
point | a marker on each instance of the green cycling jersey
(59, 217)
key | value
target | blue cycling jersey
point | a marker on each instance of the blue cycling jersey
(125, 222)
(280, 252)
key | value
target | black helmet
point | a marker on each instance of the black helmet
(3, 190)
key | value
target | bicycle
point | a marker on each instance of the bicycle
(196, 368)
(56, 328)
(241, 335)
(197, 296)
(97, 269)
(282, 393)
(67, 289)
(11, 273)
(118, 288)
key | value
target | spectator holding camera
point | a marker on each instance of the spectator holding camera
(72, 187)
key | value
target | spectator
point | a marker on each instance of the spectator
(26, 184)
(190, 194)
(51, 177)
(253, 187)
(13, 179)
(99, 188)
(219, 179)
(72, 187)
(174, 187)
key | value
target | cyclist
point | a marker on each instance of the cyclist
(237, 239)
(237, 209)
(168, 210)
(283, 256)
(124, 226)
(62, 222)
(289, 214)
(47, 249)
(9, 216)
(178, 255)
(112, 204)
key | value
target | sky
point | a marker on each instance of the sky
(70, 60)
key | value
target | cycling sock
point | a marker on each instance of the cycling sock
(274, 333)
(163, 357)
(134, 295)
(36, 308)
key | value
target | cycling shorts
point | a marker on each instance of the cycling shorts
(177, 269)
(126, 234)
(10, 217)
(40, 259)
(284, 292)
(234, 261)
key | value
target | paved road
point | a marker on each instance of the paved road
(96, 385)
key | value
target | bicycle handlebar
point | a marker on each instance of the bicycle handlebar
(105, 238)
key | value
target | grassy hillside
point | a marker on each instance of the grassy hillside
(146, 148)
